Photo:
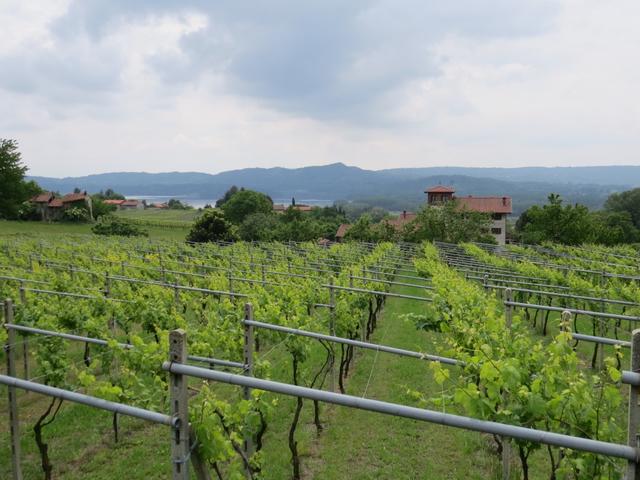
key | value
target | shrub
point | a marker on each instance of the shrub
(111, 225)
(211, 226)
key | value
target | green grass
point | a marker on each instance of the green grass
(157, 214)
(364, 445)
(9, 227)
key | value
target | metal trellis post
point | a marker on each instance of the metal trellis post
(179, 407)
(633, 469)
(13, 400)
(248, 370)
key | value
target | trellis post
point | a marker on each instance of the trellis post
(506, 446)
(179, 407)
(248, 371)
(25, 343)
(633, 440)
(14, 421)
(332, 329)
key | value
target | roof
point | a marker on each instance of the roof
(342, 230)
(74, 197)
(278, 207)
(43, 197)
(486, 204)
(440, 189)
(159, 205)
(56, 203)
(130, 203)
(401, 220)
(113, 202)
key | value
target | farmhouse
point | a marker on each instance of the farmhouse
(50, 208)
(498, 207)
(280, 208)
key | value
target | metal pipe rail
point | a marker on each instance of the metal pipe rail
(355, 343)
(517, 282)
(177, 286)
(376, 292)
(564, 295)
(573, 310)
(74, 295)
(447, 419)
(83, 399)
(389, 282)
(97, 341)
(23, 280)
(603, 340)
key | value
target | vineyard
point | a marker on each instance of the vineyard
(264, 360)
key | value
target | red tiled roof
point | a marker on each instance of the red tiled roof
(159, 205)
(130, 203)
(486, 204)
(401, 220)
(74, 197)
(342, 230)
(439, 189)
(44, 197)
(56, 203)
(113, 202)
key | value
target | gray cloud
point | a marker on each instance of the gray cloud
(331, 60)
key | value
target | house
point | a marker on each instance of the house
(399, 222)
(159, 205)
(117, 202)
(50, 208)
(342, 231)
(498, 207)
(131, 205)
(280, 208)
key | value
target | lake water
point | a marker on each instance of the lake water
(201, 202)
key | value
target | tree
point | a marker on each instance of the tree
(227, 196)
(448, 223)
(211, 226)
(99, 208)
(628, 201)
(553, 222)
(108, 194)
(244, 203)
(361, 230)
(259, 226)
(14, 191)
(175, 204)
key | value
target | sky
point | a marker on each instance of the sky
(92, 86)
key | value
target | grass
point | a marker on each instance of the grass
(10, 227)
(158, 214)
(364, 445)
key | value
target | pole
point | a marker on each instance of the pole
(14, 420)
(506, 446)
(248, 371)
(25, 344)
(332, 331)
(179, 407)
(633, 469)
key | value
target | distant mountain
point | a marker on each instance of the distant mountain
(394, 189)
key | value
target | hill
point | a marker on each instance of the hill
(395, 189)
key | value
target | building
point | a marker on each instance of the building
(397, 223)
(116, 202)
(342, 231)
(50, 207)
(498, 207)
(280, 208)
(131, 205)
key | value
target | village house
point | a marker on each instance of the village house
(498, 207)
(51, 208)
(280, 208)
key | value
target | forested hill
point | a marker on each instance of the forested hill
(395, 189)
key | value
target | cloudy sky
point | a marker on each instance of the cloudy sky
(92, 86)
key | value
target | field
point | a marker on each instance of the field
(514, 363)
(160, 215)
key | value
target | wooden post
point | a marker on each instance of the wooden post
(332, 330)
(248, 372)
(633, 469)
(14, 421)
(179, 407)
(565, 321)
(485, 281)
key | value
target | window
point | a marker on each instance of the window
(496, 216)
(496, 231)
